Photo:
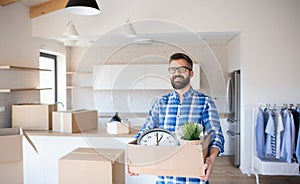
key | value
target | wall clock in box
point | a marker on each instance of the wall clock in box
(158, 137)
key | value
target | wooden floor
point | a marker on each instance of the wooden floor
(225, 173)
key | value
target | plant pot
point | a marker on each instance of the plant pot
(191, 142)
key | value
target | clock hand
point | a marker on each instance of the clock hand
(156, 138)
(159, 139)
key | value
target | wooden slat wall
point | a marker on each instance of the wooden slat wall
(6, 2)
(47, 7)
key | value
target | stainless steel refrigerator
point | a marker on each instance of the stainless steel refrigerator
(233, 120)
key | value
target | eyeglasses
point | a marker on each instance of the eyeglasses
(180, 69)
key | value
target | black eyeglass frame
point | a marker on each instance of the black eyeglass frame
(177, 69)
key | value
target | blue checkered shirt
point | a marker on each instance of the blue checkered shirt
(169, 113)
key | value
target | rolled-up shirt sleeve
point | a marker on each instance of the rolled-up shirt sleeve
(212, 126)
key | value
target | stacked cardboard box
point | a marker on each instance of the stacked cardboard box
(92, 165)
(75, 121)
(11, 156)
(184, 160)
(33, 116)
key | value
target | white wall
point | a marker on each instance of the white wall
(15, 49)
(18, 48)
(268, 60)
(233, 54)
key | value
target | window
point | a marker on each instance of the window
(48, 79)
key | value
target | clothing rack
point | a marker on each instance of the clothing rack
(265, 167)
(287, 105)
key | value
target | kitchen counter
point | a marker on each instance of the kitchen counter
(223, 115)
(123, 114)
(100, 132)
(139, 115)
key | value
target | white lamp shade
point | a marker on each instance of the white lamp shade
(71, 31)
(129, 30)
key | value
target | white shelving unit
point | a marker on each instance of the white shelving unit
(137, 77)
(70, 79)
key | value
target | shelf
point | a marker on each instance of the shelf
(73, 73)
(72, 87)
(21, 89)
(10, 67)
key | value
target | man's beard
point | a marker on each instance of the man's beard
(180, 84)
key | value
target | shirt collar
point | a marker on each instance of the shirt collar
(188, 93)
(185, 95)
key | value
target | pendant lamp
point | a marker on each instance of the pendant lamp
(129, 29)
(83, 7)
(70, 31)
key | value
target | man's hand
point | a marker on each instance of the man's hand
(209, 163)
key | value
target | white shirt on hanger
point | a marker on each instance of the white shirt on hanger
(279, 128)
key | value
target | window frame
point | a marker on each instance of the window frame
(54, 57)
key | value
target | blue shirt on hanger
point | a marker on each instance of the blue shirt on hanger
(298, 139)
(288, 137)
(260, 134)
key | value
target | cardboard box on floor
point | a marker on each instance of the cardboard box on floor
(185, 160)
(11, 155)
(75, 121)
(33, 116)
(92, 165)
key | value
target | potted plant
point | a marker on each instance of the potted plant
(192, 133)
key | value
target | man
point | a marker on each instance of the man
(185, 104)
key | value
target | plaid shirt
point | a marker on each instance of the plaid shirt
(169, 113)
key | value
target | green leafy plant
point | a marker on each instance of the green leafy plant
(192, 131)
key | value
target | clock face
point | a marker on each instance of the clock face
(157, 137)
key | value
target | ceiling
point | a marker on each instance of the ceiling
(142, 38)
(27, 3)
(32, 2)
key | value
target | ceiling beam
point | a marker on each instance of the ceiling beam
(7, 2)
(47, 7)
